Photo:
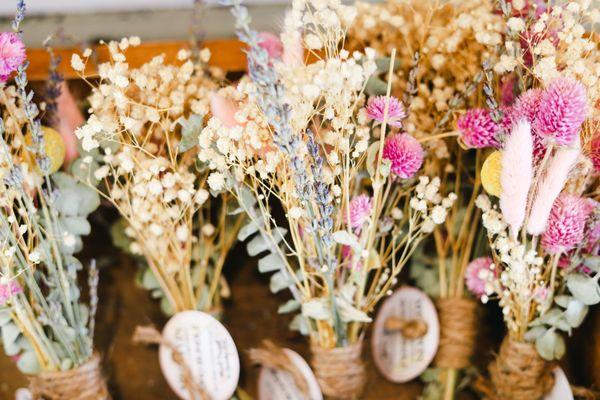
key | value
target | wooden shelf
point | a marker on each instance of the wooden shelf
(226, 54)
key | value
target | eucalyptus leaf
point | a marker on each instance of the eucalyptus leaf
(247, 230)
(575, 313)
(562, 300)
(190, 130)
(149, 281)
(28, 363)
(272, 262)
(372, 152)
(257, 246)
(347, 239)
(376, 86)
(10, 333)
(299, 323)
(534, 333)
(288, 307)
(5, 317)
(76, 225)
(279, 281)
(550, 345)
(584, 288)
(317, 309)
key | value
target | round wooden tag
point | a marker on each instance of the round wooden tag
(208, 350)
(399, 356)
(279, 385)
(562, 388)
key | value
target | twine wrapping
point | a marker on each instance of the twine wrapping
(458, 328)
(340, 370)
(409, 328)
(517, 373)
(82, 383)
(274, 357)
(149, 335)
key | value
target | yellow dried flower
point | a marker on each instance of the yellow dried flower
(490, 174)
(54, 146)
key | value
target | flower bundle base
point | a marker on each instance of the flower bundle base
(458, 329)
(82, 383)
(340, 371)
(519, 373)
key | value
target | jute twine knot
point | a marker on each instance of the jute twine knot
(149, 335)
(82, 383)
(274, 357)
(517, 373)
(458, 328)
(409, 328)
(340, 371)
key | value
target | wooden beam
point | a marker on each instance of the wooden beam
(226, 54)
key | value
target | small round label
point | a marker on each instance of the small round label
(275, 384)
(208, 350)
(562, 388)
(401, 355)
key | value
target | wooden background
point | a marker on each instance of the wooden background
(250, 315)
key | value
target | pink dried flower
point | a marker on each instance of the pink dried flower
(406, 154)
(223, 109)
(272, 44)
(396, 111)
(360, 210)
(476, 275)
(347, 254)
(477, 129)
(566, 225)
(595, 152)
(561, 111)
(9, 289)
(526, 107)
(12, 54)
(69, 119)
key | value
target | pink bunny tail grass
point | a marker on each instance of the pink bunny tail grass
(516, 175)
(224, 109)
(69, 119)
(550, 187)
(272, 44)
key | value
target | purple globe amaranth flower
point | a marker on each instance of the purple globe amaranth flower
(376, 110)
(478, 129)
(12, 54)
(360, 210)
(566, 224)
(9, 289)
(561, 111)
(476, 275)
(405, 153)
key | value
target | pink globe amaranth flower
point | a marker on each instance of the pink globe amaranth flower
(595, 152)
(272, 44)
(561, 111)
(477, 129)
(376, 110)
(360, 210)
(566, 224)
(405, 153)
(525, 108)
(9, 289)
(475, 275)
(12, 54)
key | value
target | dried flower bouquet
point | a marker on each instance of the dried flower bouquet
(140, 142)
(302, 138)
(442, 49)
(543, 232)
(45, 325)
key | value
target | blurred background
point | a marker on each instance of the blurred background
(90, 20)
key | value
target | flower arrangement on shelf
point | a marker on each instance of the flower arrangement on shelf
(543, 231)
(45, 325)
(140, 145)
(304, 139)
(442, 48)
